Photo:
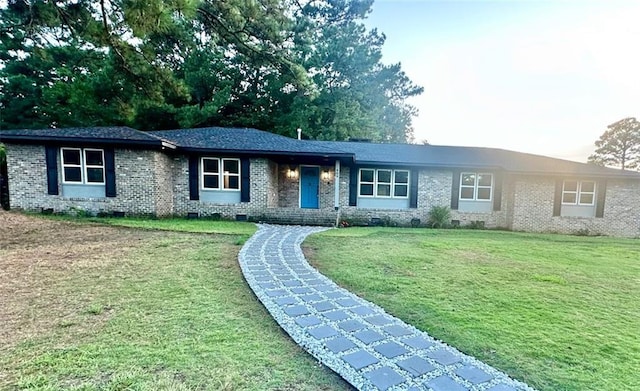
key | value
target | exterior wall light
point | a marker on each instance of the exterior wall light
(326, 175)
(292, 172)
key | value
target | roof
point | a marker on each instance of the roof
(468, 157)
(109, 135)
(245, 141)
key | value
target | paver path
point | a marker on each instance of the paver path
(357, 339)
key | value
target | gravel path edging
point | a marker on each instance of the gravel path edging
(357, 339)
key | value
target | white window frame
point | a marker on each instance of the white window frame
(375, 183)
(379, 183)
(84, 167)
(222, 175)
(360, 183)
(395, 173)
(475, 187)
(579, 192)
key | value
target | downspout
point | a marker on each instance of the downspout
(336, 189)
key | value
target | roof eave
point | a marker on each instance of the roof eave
(616, 175)
(159, 144)
(621, 175)
(426, 165)
(266, 153)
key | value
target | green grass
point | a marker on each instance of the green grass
(177, 224)
(171, 313)
(558, 312)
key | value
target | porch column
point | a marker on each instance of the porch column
(336, 187)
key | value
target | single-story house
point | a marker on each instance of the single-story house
(256, 175)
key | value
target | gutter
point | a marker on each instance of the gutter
(253, 152)
(159, 144)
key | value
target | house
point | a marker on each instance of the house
(251, 174)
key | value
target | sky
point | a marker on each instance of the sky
(543, 77)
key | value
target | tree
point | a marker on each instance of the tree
(276, 65)
(619, 146)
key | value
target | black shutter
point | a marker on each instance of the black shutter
(51, 156)
(455, 189)
(557, 198)
(110, 172)
(497, 191)
(353, 186)
(413, 188)
(245, 184)
(194, 162)
(601, 189)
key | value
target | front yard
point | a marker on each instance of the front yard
(558, 312)
(89, 306)
(92, 307)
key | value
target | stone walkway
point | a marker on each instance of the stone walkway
(369, 348)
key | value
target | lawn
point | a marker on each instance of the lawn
(558, 312)
(87, 306)
(201, 225)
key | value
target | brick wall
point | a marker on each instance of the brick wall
(27, 176)
(533, 209)
(163, 185)
(288, 188)
(434, 189)
(153, 183)
(272, 185)
(138, 190)
(394, 216)
(262, 192)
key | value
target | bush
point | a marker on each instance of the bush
(439, 217)
(476, 224)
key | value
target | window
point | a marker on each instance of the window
(367, 182)
(82, 166)
(401, 183)
(579, 192)
(475, 186)
(220, 174)
(384, 183)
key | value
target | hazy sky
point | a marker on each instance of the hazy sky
(543, 77)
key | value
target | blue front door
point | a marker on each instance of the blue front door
(309, 185)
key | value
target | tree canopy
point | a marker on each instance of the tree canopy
(619, 146)
(276, 65)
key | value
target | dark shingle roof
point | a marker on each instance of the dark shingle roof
(248, 141)
(244, 141)
(468, 157)
(120, 135)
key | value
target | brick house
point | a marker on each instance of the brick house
(256, 175)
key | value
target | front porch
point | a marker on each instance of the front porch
(306, 186)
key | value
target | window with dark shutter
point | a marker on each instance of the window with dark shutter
(353, 186)
(245, 177)
(455, 189)
(110, 173)
(51, 157)
(557, 198)
(497, 192)
(600, 197)
(194, 193)
(413, 196)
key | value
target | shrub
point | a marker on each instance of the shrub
(476, 224)
(439, 217)
(353, 222)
